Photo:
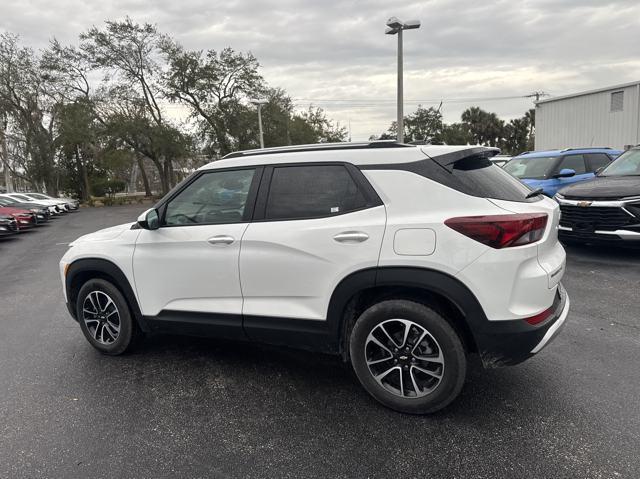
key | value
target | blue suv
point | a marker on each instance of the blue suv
(555, 169)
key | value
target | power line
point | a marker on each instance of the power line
(380, 101)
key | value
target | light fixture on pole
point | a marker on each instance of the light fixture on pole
(259, 104)
(395, 26)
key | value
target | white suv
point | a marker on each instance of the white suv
(402, 259)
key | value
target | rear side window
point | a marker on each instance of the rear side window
(573, 162)
(597, 160)
(473, 175)
(299, 192)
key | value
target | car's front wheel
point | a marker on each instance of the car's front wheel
(407, 356)
(105, 318)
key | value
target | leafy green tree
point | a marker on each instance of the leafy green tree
(485, 128)
(216, 86)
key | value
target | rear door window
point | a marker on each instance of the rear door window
(314, 191)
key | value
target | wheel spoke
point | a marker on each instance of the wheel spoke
(95, 332)
(378, 343)
(382, 328)
(413, 380)
(439, 359)
(90, 297)
(383, 374)
(407, 328)
(113, 326)
(401, 382)
(378, 361)
(426, 371)
(109, 303)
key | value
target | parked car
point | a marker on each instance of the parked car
(56, 207)
(70, 203)
(555, 169)
(606, 208)
(500, 160)
(41, 211)
(25, 219)
(402, 259)
(8, 225)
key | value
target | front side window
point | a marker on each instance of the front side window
(627, 164)
(313, 191)
(530, 167)
(573, 162)
(215, 197)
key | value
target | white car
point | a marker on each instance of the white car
(70, 204)
(56, 207)
(401, 259)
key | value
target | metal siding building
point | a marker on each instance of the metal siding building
(603, 117)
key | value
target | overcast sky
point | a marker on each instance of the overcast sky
(323, 51)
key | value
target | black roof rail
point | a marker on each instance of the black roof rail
(319, 147)
(589, 148)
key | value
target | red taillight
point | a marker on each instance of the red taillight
(538, 318)
(501, 231)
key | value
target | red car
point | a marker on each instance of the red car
(24, 219)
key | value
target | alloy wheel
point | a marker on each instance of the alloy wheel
(404, 358)
(101, 316)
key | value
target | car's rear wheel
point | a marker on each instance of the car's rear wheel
(105, 318)
(407, 356)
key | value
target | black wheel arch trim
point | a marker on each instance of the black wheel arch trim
(433, 281)
(107, 268)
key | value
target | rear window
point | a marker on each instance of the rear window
(534, 168)
(480, 177)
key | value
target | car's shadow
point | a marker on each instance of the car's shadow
(302, 377)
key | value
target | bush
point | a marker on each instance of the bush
(103, 187)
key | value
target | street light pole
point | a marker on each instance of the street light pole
(259, 104)
(400, 100)
(395, 27)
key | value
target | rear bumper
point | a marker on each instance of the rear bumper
(506, 343)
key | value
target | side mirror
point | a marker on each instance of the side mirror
(565, 173)
(599, 170)
(149, 220)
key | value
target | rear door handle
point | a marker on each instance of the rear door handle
(221, 240)
(351, 237)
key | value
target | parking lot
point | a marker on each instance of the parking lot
(183, 407)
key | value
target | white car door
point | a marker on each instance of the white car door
(314, 225)
(187, 270)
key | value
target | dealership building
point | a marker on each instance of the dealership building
(602, 117)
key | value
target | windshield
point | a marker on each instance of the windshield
(627, 164)
(38, 196)
(530, 167)
(9, 200)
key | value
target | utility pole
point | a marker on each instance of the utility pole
(395, 26)
(259, 104)
(536, 95)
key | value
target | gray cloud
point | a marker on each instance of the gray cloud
(337, 50)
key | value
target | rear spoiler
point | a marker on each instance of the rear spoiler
(447, 160)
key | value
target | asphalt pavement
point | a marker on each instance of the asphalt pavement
(184, 407)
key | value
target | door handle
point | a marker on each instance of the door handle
(351, 237)
(221, 239)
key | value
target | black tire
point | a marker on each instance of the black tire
(443, 339)
(129, 331)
